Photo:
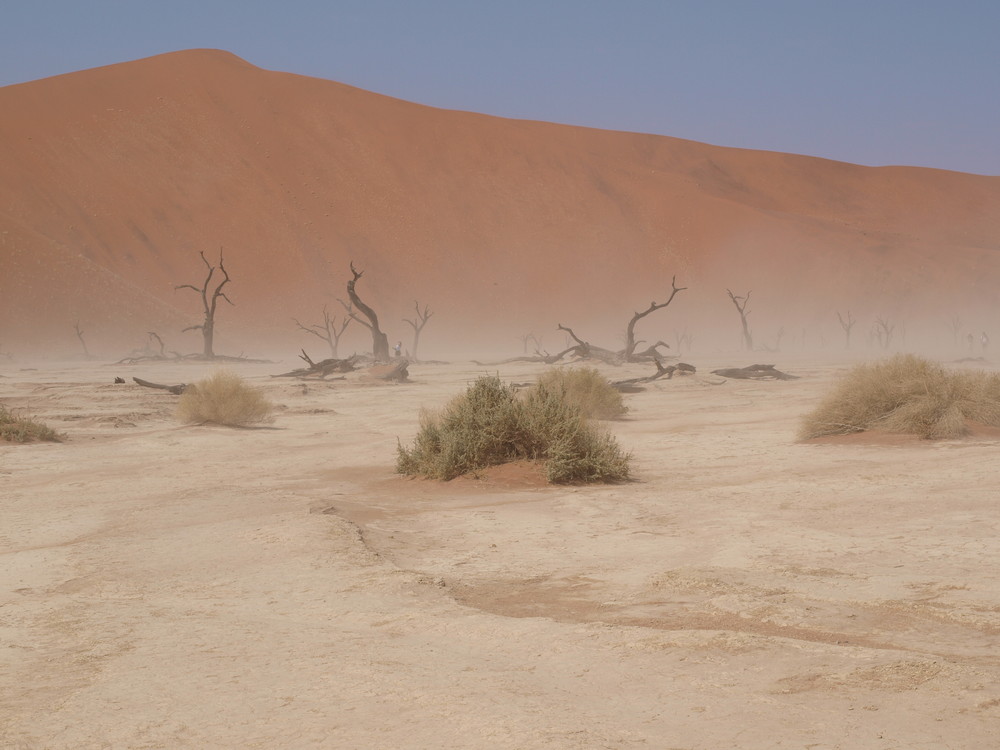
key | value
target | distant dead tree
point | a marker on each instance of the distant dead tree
(79, 335)
(741, 307)
(883, 332)
(778, 337)
(956, 328)
(380, 342)
(577, 347)
(418, 323)
(530, 337)
(210, 299)
(683, 340)
(847, 325)
(328, 330)
(630, 342)
(153, 335)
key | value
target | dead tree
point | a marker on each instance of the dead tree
(209, 299)
(530, 337)
(418, 323)
(586, 350)
(741, 307)
(956, 328)
(380, 342)
(79, 335)
(328, 331)
(847, 325)
(683, 340)
(154, 335)
(777, 341)
(883, 331)
(630, 342)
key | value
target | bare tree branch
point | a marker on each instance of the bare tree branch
(741, 306)
(630, 342)
(418, 324)
(380, 342)
(209, 301)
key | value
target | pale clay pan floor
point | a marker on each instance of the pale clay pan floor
(170, 586)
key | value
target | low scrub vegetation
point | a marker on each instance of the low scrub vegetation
(907, 394)
(491, 424)
(586, 389)
(20, 429)
(226, 399)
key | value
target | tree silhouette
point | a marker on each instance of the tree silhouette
(210, 301)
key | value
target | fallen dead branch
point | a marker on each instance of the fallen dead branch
(321, 369)
(754, 372)
(177, 390)
(633, 384)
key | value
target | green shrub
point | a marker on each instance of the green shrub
(224, 398)
(15, 429)
(490, 425)
(587, 389)
(906, 394)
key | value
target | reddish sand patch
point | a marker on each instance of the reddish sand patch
(516, 474)
(877, 438)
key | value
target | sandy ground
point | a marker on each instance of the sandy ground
(169, 586)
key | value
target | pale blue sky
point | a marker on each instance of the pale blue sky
(867, 81)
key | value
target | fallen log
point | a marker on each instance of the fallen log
(321, 369)
(177, 390)
(754, 372)
(631, 385)
(395, 372)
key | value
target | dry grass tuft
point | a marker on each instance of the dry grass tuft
(15, 429)
(490, 425)
(226, 399)
(587, 389)
(910, 395)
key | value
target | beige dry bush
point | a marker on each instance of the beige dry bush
(587, 389)
(20, 429)
(224, 398)
(906, 394)
(490, 425)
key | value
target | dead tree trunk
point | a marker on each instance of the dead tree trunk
(956, 328)
(380, 342)
(209, 301)
(79, 335)
(883, 331)
(154, 335)
(683, 340)
(847, 325)
(585, 349)
(741, 307)
(328, 330)
(418, 323)
(530, 337)
(630, 342)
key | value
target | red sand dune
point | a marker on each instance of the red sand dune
(115, 178)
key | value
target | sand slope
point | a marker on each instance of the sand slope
(115, 178)
(192, 587)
